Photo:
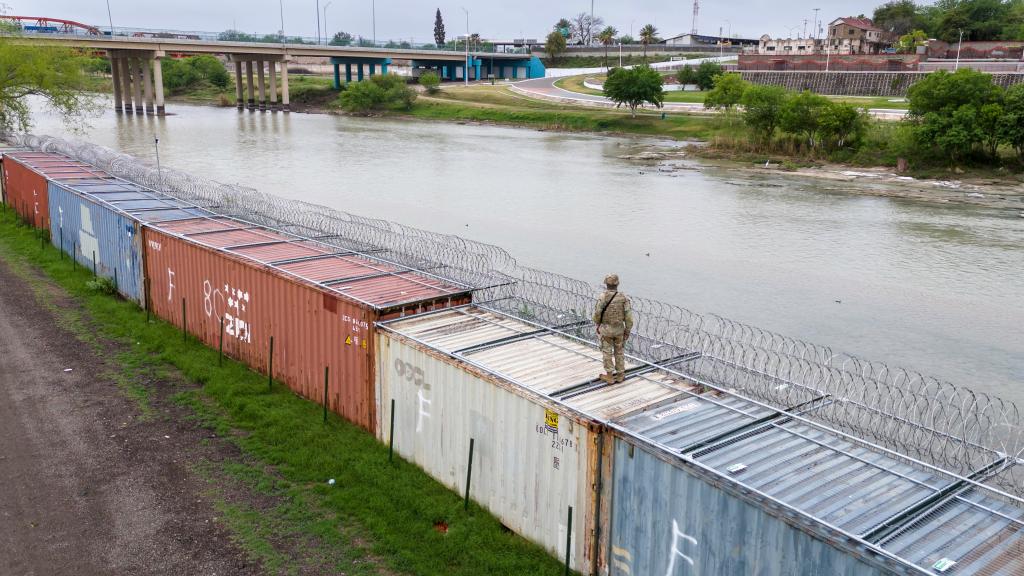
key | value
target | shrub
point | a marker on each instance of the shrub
(841, 125)
(727, 93)
(431, 81)
(801, 115)
(101, 285)
(1012, 124)
(194, 71)
(762, 106)
(385, 92)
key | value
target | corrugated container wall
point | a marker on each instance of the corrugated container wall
(667, 520)
(27, 175)
(532, 458)
(98, 235)
(312, 330)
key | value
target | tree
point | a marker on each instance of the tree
(686, 75)
(801, 115)
(381, 92)
(990, 119)
(439, 29)
(1013, 119)
(607, 38)
(626, 39)
(946, 110)
(727, 93)
(564, 27)
(898, 17)
(648, 35)
(186, 73)
(706, 74)
(554, 44)
(430, 81)
(341, 39)
(583, 28)
(979, 19)
(56, 75)
(762, 107)
(634, 87)
(841, 124)
(909, 42)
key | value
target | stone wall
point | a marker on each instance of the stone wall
(834, 62)
(854, 83)
(999, 49)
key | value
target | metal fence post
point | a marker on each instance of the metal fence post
(115, 279)
(391, 435)
(62, 243)
(220, 359)
(326, 375)
(270, 367)
(469, 473)
(94, 274)
(145, 296)
(74, 255)
(568, 541)
(184, 323)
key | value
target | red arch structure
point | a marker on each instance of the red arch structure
(61, 26)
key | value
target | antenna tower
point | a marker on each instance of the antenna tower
(696, 10)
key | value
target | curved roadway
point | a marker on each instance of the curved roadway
(545, 89)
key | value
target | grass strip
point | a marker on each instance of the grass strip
(393, 507)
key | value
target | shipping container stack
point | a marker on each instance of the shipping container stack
(662, 474)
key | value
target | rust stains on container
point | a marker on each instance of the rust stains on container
(262, 284)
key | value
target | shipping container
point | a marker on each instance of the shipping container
(98, 221)
(533, 458)
(317, 302)
(27, 176)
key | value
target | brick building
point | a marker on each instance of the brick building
(855, 36)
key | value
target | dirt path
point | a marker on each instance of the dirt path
(86, 486)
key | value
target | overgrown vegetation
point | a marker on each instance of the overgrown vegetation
(388, 512)
(430, 81)
(184, 74)
(945, 19)
(377, 93)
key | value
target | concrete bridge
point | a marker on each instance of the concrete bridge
(136, 71)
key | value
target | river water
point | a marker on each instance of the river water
(935, 288)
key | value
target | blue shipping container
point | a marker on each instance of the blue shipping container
(90, 229)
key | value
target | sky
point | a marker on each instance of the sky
(414, 19)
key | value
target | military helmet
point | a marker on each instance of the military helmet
(611, 280)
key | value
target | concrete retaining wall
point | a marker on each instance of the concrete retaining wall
(854, 83)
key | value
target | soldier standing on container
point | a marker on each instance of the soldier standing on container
(613, 316)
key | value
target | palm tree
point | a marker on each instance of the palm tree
(607, 37)
(648, 35)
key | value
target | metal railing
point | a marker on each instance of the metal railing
(922, 417)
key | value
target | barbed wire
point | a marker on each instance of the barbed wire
(921, 417)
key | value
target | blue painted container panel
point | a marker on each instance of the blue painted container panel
(668, 521)
(86, 227)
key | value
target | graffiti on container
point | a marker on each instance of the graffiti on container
(555, 463)
(677, 537)
(621, 560)
(170, 284)
(410, 373)
(237, 303)
(422, 412)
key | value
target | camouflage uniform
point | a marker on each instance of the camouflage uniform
(613, 315)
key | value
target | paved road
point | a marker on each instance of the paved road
(545, 89)
(85, 486)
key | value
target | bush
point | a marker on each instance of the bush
(193, 72)
(1012, 125)
(841, 125)
(97, 65)
(385, 92)
(762, 106)
(101, 285)
(686, 75)
(706, 74)
(210, 69)
(801, 115)
(431, 81)
(957, 112)
(634, 87)
(727, 93)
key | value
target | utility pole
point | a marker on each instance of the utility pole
(805, 28)
(280, 4)
(111, 19)
(465, 71)
(159, 173)
(958, 45)
(590, 29)
(815, 29)
(327, 38)
(373, 20)
(318, 23)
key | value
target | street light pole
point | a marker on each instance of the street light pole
(280, 4)
(111, 19)
(373, 20)
(958, 45)
(590, 28)
(317, 22)
(465, 71)
(159, 173)
(326, 37)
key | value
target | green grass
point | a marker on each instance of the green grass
(388, 510)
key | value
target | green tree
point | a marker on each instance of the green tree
(634, 87)
(946, 111)
(801, 115)
(898, 17)
(626, 39)
(706, 74)
(727, 93)
(990, 124)
(439, 29)
(56, 75)
(554, 44)
(382, 92)
(210, 69)
(188, 73)
(1012, 127)
(944, 92)
(430, 81)
(648, 35)
(686, 75)
(607, 38)
(841, 125)
(341, 39)
(762, 107)
(979, 19)
(564, 27)
(909, 42)
(235, 36)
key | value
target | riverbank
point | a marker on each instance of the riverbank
(145, 455)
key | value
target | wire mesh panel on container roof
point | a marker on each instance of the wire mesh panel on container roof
(949, 426)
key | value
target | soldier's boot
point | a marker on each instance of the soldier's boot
(608, 378)
(620, 377)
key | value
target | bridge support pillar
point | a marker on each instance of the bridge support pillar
(476, 69)
(359, 72)
(262, 85)
(285, 98)
(115, 78)
(373, 68)
(137, 86)
(383, 68)
(272, 66)
(239, 102)
(158, 82)
(147, 86)
(337, 76)
(501, 71)
(348, 73)
(126, 77)
(251, 94)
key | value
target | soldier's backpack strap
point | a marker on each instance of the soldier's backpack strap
(606, 305)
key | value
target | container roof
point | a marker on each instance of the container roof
(364, 278)
(889, 503)
(139, 202)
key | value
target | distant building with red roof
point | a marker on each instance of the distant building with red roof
(855, 36)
